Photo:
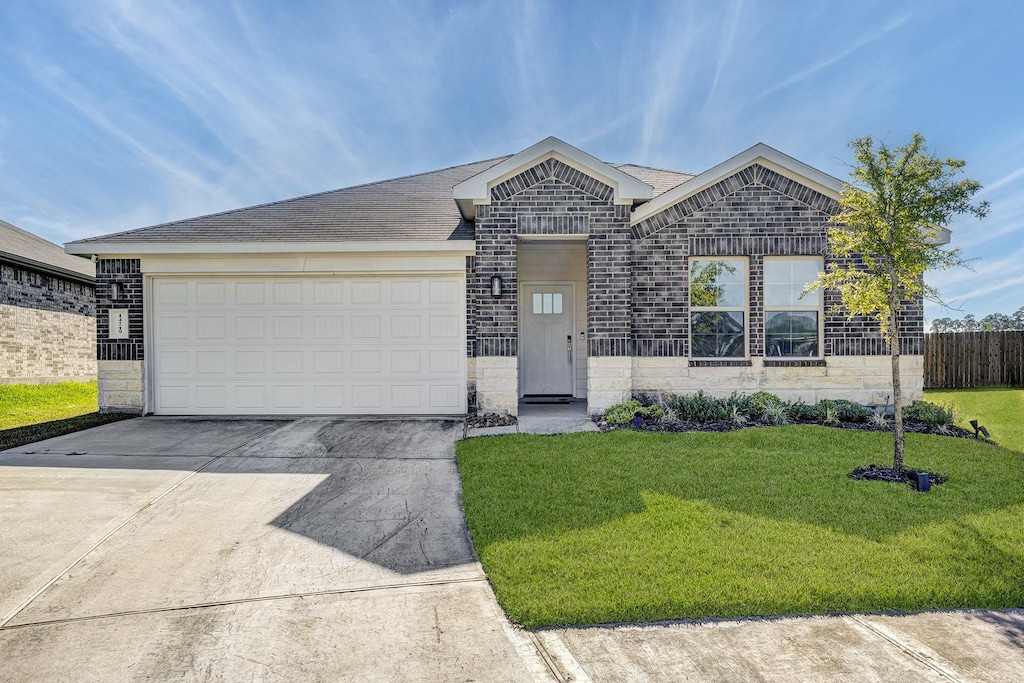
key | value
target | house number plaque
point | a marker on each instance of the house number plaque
(118, 323)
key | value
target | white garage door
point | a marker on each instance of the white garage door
(330, 345)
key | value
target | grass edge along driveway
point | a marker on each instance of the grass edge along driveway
(628, 526)
(33, 412)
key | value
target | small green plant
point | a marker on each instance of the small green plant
(801, 412)
(623, 413)
(760, 401)
(699, 407)
(878, 420)
(738, 403)
(932, 413)
(737, 417)
(776, 413)
(830, 415)
(844, 411)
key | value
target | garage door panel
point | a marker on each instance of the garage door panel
(238, 345)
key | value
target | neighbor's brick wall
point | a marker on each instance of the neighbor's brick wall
(47, 328)
(551, 198)
(754, 213)
(129, 274)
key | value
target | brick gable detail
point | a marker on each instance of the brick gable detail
(754, 213)
(551, 198)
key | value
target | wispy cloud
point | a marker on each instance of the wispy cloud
(725, 51)
(823, 64)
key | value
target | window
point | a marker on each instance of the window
(547, 303)
(718, 308)
(792, 318)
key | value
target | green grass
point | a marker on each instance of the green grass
(999, 409)
(629, 526)
(26, 404)
(33, 412)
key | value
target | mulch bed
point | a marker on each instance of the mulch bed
(728, 426)
(491, 420)
(906, 476)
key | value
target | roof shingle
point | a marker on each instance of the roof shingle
(23, 247)
(417, 207)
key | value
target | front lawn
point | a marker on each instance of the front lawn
(33, 412)
(25, 404)
(999, 409)
(636, 526)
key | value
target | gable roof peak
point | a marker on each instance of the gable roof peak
(477, 190)
(761, 154)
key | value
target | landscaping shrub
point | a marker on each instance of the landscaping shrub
(762, 400)
(801, 412)
(699, 407)
(738, 405)
(842, 411)
(623, 413)
(932, 413)
(775, 413)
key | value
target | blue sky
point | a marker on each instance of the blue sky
(116, 115)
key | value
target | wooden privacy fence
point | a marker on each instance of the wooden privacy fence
(955, 360)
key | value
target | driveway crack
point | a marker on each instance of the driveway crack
(909, 651)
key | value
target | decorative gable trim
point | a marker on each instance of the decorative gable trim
(552, 168)
(759, 164)
(478, 190)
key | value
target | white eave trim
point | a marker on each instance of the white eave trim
(198, 248)
(942, 236)
(475, 191)
(761, 154)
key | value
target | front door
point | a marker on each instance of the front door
(547, 335)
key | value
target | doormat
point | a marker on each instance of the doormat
(547, 399)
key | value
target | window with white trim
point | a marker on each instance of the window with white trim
(718, 307)
(792, 317)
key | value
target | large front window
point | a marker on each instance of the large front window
(718, 307)
(792, 317)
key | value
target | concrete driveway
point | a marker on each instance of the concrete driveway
(188, 549)
(332, 549)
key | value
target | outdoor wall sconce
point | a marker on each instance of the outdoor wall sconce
(496, 286)
(116, 291)
(979, 428)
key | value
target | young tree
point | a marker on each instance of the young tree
(887, 233)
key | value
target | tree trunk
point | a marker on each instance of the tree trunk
(897, 395)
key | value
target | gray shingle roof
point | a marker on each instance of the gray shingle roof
(416, 207)
(25, 249)
(660, 179)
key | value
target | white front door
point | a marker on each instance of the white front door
(546, 319)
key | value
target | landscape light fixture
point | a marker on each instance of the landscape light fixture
(496, 286)
(979, 428)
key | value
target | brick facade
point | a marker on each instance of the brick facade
(47, 328)
(551, 199)
(128, 273)
(638, 279)
(755, 213)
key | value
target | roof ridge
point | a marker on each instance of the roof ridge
(294, 199)
(653, 168)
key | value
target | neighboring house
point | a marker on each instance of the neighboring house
(47, 311)
(545, 273)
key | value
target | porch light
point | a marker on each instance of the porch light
(496, 286)
(116, 291)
